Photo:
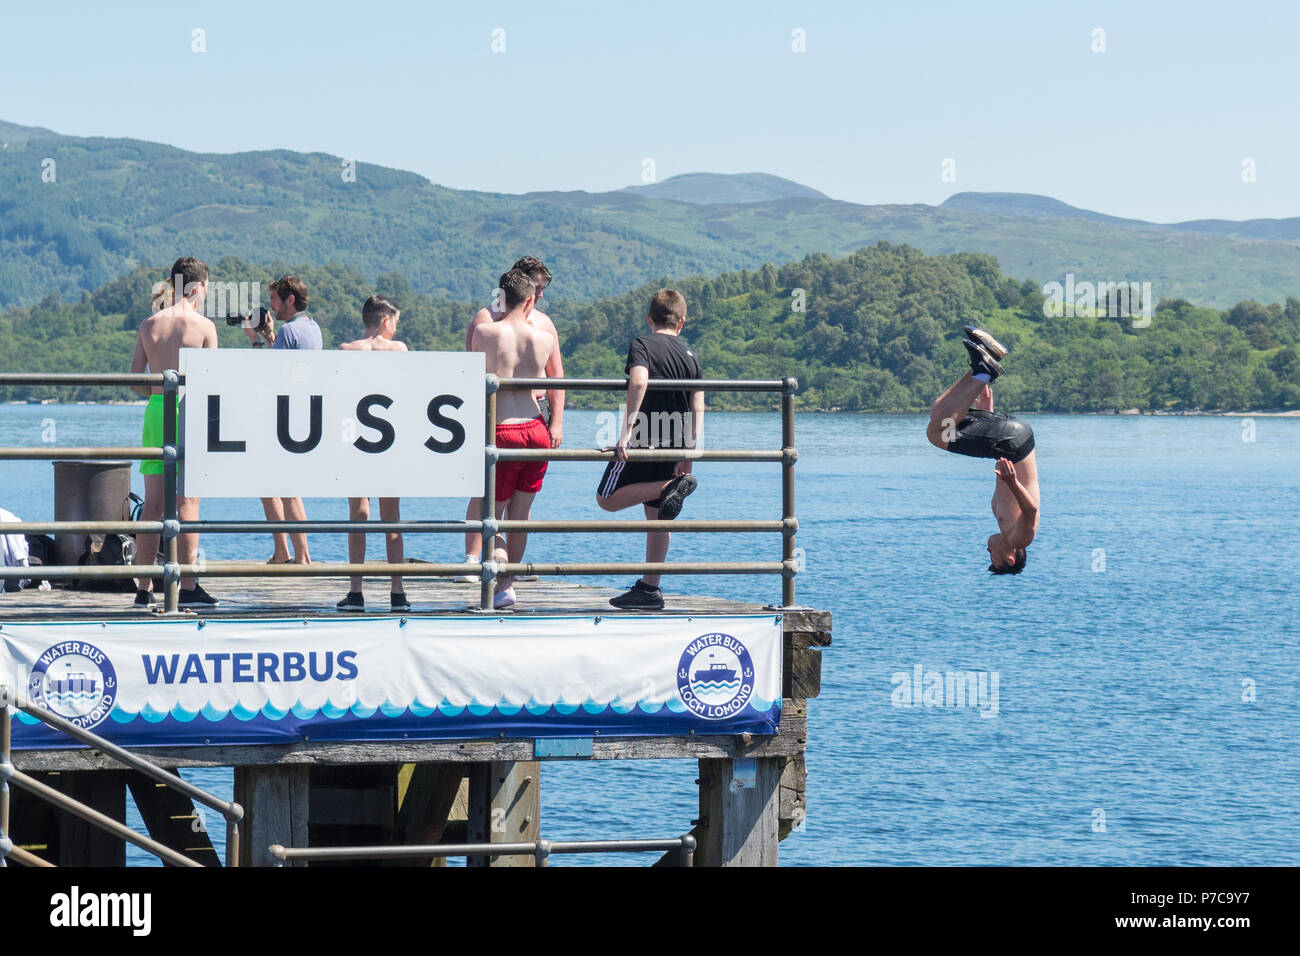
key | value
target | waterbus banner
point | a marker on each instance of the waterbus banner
(239, 682)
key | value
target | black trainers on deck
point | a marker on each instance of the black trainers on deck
(641, 597)
(196, 597)
(398, 603)
(355, 601)
(981, 361)
(991, 345)
(143, 600)
(670, 504)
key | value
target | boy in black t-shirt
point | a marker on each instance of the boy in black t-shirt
(655, 419)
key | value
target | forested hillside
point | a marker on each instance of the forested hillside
(878, 330)
(76, 212)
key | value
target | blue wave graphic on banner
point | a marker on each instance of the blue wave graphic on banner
(241, 725)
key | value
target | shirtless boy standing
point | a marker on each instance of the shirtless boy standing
(515, 348)
(380, 317)
(176, 325)
(551, 402)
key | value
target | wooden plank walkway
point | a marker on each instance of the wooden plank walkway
(316, 597)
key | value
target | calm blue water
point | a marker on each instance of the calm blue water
(1120, 691)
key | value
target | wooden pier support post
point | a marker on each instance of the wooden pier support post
(739, 813)
(428, 796)
(504, 807)
(275, 802)
(69, 840)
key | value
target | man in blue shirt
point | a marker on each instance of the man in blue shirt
(298, 330)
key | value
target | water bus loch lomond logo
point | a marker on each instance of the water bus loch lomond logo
(715, 676)
(76, 681)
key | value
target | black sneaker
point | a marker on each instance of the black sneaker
(143, 600)
(991, 345)
(398, 603)
(981, 361)
(355, 601)
(196, 597)
(641, 597)
(670, 505)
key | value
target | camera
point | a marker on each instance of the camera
(256, 319)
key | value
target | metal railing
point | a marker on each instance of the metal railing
(232, 812)
(487, 526)
(540, 850)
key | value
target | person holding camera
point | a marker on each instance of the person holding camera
(297, 330)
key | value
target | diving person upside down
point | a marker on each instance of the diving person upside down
(962, 421)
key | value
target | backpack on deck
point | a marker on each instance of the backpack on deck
(109, 550)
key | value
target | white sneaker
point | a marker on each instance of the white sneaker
(470, 578)
(503, 599)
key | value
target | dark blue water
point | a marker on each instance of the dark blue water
(1147, 661)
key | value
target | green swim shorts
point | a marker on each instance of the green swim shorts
(153, 433)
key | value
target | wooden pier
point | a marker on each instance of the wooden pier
(407, 792)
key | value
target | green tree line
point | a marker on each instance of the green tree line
(878, 330)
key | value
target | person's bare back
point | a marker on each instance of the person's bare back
(374, 344)
(161, 337)
(514, 349)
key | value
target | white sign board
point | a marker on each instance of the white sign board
(264, 423)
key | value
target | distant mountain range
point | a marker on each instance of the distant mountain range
(76, 212)
(1030, 206)
(715, 189)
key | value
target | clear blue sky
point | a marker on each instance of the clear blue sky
(1155, 128)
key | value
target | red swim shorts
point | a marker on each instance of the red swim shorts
(523, 476)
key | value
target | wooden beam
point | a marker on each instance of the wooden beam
(738, 823)
(801, 672)
(315, 753)
(431, 793)
(504, 807)
(275, 801)
(794, 806)
(171, 819)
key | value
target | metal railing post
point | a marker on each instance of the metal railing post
(687, 858)
(232, 843)
(171, 538)
(788, 387)
(6, 771)
(489, 511)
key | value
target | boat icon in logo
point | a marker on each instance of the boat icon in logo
(716, 672)
(75, 680)
(715, 676)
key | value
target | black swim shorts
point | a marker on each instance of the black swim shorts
(984, 434)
